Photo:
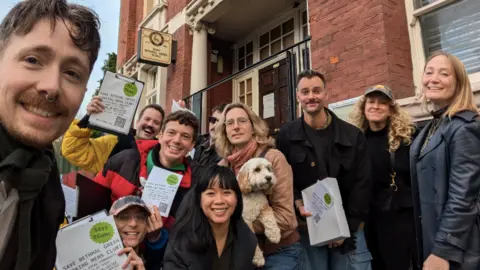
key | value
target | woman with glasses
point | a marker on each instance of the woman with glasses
(210, 232)
(141, 231)
(241, 135)
(445, 168)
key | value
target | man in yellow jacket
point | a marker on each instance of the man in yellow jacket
(90, 154)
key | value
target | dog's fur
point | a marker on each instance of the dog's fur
(256, 180)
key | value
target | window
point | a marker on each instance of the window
(154, 78)
(452, 26)
(152, 99)
(245, 56)
(245, 92)
(277, 39)
(304, 25)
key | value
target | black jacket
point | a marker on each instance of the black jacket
(348, 163)
(446, 190)
(179, 256)
(46, 216)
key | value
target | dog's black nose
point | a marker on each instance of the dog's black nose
(268, 178)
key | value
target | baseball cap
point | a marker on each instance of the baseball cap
(382, 89)
(126, 202)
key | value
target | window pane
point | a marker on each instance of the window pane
(154, 99)
(288, 40)
(242, 99)
(275, 33)
(264, 53)
(249, 85)
(304, 17)
(264, 39)
(249, 48)
(249, 100)
(242, 88)
(287, 26)
(249, 60)
(241, 52)
(305, 31)
(422, 3)
(455, 29)
(276, 46)
(241, 64)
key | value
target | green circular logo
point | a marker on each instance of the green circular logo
(327, 198)
(101, 232)
(130, 89)
(172, 179)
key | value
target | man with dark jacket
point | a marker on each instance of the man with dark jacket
(47, 52)
(320, 145)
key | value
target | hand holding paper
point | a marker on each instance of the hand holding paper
(133, 259)
(154, 225)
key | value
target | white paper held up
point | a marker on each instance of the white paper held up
(176, 107)
(160, 189)
(96, 246)
(71, 200)
(328, 222)
(269, 105)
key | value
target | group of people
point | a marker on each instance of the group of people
(411, 196)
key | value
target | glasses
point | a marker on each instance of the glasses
(212, 120)
(124, 217)
(240, 122)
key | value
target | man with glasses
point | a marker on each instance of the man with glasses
(205, 152)
(138, 224)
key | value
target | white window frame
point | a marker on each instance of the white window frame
(150, 98)
(416, 41)
(253, 75)
(153, 75)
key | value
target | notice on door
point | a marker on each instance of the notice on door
(269, 106)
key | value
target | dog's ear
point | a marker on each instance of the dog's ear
(242, 178)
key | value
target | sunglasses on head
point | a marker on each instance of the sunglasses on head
(212, 120)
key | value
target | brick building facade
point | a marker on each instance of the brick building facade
(260, 46)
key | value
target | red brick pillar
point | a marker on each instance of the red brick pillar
(361, 43)
(131, 14)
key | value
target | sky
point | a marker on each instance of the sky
(108, 11)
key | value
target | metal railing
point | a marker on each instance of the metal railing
(299, 54)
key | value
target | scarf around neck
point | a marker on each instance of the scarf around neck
(239, 157)
(27, 170)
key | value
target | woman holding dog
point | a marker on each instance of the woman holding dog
(210, 232)
(240, 136)
(390, 231)
(445, 162)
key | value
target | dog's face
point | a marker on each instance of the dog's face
(256, 175)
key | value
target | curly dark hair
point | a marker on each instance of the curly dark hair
(183, 118)
(83, 29)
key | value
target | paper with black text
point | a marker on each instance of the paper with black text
(328, 222)
(120, 96)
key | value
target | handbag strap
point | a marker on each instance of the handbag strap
(264, 152)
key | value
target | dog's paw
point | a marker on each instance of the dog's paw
(274, 235)
(258, 259)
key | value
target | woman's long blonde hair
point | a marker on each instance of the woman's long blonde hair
(260, 130)
(400, 124)
(463, 96)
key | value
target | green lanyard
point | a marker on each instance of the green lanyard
(151, 164)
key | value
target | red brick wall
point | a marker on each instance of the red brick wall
(223, 92)
(361, 43)
(178, 74)
(131, 14)
(175, 6)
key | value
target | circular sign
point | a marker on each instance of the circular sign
(327, 198)
(130, 89)
(172, 179)
(156, 38)
(101, 232)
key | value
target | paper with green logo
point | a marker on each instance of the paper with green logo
(91, 245)
(328, 222)
(120, 96)
(160, 189)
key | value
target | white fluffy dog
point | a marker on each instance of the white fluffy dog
(256, 180)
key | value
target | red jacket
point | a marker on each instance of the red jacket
(122, 174)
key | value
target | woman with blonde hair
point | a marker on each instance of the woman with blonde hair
(390, 230)
(445, 162)
(241, 135)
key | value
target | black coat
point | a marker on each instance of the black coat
(348, 163)
(446, 190)
(179, 256)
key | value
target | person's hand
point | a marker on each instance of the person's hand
(335, 244)
(95, 105)
(133, 262)
(433, 262)
(303, 212)
(154, 225)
